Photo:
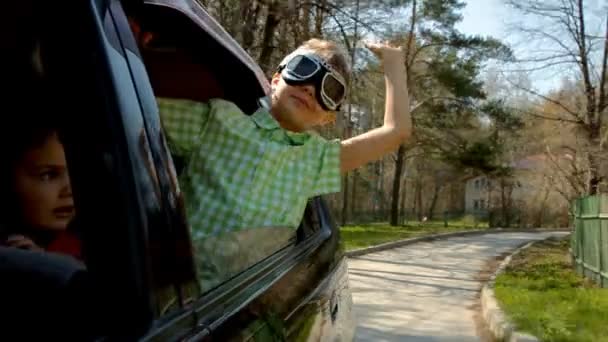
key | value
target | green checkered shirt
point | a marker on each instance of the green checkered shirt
(245, 171)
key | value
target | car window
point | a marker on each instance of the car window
(105, 206)
(35, 184)
(43, 265)
(190, 70)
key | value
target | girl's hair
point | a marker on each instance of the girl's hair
(27, 123)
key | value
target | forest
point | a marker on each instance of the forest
(481, 127)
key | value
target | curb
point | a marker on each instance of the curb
(399, 243)
(494, 318)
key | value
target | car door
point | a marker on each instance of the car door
(288, 282)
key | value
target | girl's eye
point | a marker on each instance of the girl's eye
(47, 176)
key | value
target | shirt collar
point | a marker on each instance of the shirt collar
(266, 121)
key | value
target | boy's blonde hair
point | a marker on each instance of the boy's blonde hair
(331, 53)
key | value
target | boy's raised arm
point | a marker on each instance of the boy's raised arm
(397, 127)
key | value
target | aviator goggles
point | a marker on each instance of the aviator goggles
(308, 68)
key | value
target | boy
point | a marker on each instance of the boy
(255, 171)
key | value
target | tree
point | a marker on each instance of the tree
(562, 28)
(443, 67)
(443, 76)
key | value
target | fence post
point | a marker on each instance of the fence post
(602, 218)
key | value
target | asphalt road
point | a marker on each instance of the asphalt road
(426, 291)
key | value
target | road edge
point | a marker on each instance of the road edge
(494, 319)
(405, 242)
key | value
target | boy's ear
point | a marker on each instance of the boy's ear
(275, 78)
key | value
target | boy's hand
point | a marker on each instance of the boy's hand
(387, 53)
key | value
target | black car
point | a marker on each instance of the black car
(105, 62)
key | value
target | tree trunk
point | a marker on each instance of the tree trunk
(602, 100)
(538, 222)
(354, 207)
(431, 212)
(272, 21)
(509, 206)
(374, 189)
(419, 207)
(594, 117)
(283, 39)
(345, 201)
(403, 213)
(381, 193)
(595, 178)
(237, 15)
(396, 186)
(319, 18)
(503, 201)
(249, 12)
(305, 23)
(348, 130)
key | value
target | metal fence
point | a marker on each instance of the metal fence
(590, 237)
(409, 216)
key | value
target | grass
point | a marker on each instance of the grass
(359, 236)
(542, 295)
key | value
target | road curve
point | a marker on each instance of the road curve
(426, 291)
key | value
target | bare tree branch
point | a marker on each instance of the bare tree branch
(576, 184)
(554, 39)
(330, 7)
(545, 117)
(410, 39)
(540, 67)
(548, 99)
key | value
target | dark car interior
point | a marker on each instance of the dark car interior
(200, 71)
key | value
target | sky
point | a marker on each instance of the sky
(494, 18)
(484, 17)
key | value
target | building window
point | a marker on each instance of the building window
(477, 184)
(482, 204)
(475, 204)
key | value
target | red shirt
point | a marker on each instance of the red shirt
(66, 243)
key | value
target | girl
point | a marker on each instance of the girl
(36, 193)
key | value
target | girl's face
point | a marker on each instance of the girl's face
(43, 188)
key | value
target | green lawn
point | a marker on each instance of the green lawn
(359, 236)
(542, 294)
